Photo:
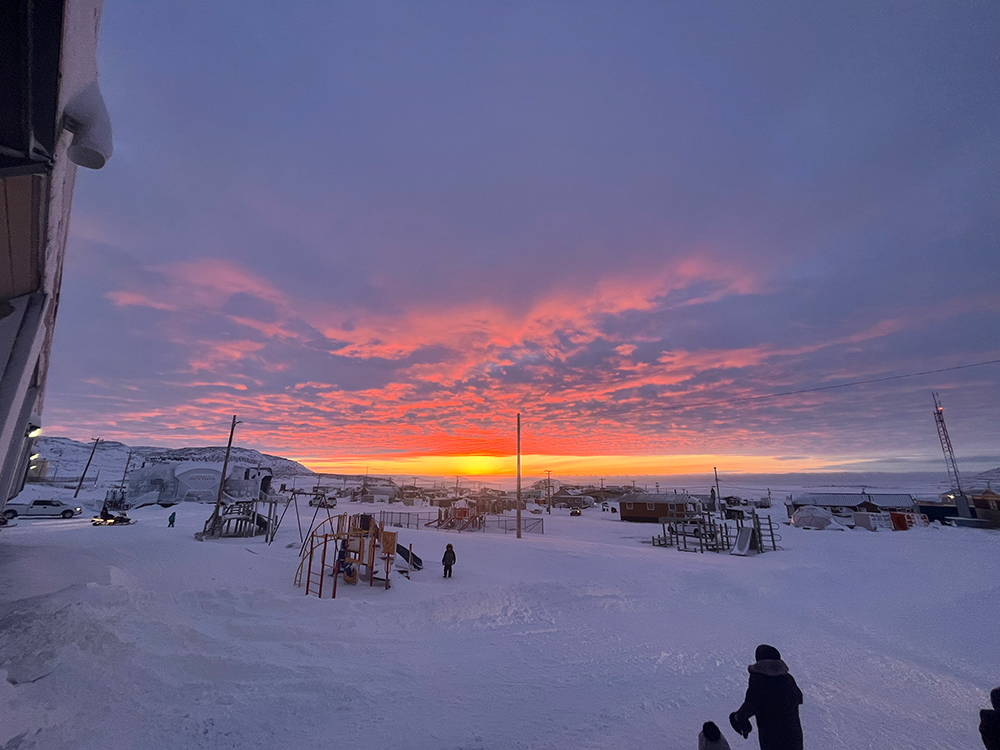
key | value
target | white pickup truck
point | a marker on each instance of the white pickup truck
(41, 508)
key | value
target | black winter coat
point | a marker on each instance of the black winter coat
(774, 698)
(449, 557)
(989, 729)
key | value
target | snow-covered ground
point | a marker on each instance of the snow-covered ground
(142, 637)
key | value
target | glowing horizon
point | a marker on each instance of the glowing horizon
(537, 464)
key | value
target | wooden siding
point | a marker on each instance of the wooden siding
(641, 512)
(19, 219)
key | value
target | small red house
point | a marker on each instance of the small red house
(648, 507)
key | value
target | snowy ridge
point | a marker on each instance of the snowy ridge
(991, 478)
(68, 457)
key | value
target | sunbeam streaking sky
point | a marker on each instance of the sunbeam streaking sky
(376, 231)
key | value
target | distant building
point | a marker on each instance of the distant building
(648, 507)
(569, 497)
(193, 481)
(383, 494)
(707, 501)
(986, 506)
(847, 503)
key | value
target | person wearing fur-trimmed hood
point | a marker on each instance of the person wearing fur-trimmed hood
(774, 698)
(448, 560)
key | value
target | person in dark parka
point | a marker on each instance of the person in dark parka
(989, 722)
(448, 560)
(774, 698)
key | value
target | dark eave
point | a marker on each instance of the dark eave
(30, 45)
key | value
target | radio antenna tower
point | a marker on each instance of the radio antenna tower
(949, 452)
(949, 458)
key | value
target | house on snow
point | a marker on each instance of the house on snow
(571, 497)
(649, 507)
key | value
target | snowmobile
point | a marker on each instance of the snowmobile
(107, 519)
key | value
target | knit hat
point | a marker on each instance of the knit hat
(766, 652)
(711, 731)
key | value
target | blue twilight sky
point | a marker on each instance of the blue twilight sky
(378, 229)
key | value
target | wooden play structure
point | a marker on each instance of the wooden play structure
(361, 549)
(458, 519)
(251, 517)
(703, 532)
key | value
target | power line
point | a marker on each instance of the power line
(744, 399)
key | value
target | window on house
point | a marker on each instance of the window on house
(650, 506)
(628, 506)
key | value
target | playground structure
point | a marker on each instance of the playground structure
(244, 516)
(362, 548)
(317, 501)
(703, 532)
(460, 519)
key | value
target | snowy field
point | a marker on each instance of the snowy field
(142, 637)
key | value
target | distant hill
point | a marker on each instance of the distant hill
(980, 480)
(282, 467)
(68, 457)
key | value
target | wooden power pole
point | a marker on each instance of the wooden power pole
(127, 462)
(519, 475)
(213, 521)
(718, 492)
(85, 468)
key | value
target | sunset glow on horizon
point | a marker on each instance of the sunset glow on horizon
(534, 465)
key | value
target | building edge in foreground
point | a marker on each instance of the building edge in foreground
(52, 118)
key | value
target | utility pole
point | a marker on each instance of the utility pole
(718, 492)
(83, 476)
(519, 475)
(127, 462)
(213, 521)
(548, 491)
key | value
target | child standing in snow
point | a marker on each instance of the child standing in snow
(448, 560)
(170, 520)
(711, 738)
